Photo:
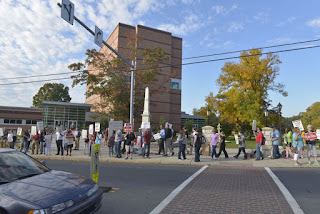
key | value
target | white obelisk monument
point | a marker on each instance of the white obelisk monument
(146, 110)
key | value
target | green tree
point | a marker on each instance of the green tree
(244, 88)
(313, 113)
(202, 111)
(188, 125)
(51, 92)
(109, 77)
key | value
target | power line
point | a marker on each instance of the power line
(239, 51)
(47, 80)
(190, 63)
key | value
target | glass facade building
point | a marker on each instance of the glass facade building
(68, 115)
(197, 121)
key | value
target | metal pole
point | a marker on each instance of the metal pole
(121, 57)
(132, 94)
(280, 128)
(266, 121)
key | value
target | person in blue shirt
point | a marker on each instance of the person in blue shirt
(161, 140)
(297, 144)
(275, 139)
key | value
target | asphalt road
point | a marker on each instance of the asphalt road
(137, 188)
(304, 186)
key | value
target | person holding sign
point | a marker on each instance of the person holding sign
(130, 137)
(297, 143)
(311, 147)
(69, 138)
(242, 145)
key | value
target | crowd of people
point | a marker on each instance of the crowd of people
(130, 143)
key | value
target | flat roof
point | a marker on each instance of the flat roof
(67, 104)
(188, 116)
(20, 109)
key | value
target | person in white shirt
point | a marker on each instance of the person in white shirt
(59, 138)
(48, 141)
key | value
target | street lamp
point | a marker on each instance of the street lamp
(279, 111)
(266, 112)
(208, 114)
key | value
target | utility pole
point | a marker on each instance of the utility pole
(69, 18)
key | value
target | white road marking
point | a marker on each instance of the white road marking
(175, 192)
(292, 202)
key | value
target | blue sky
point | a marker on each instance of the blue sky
(34, 40)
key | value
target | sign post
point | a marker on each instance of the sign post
(67, 13)
(94, 166)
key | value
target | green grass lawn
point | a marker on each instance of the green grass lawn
(250, 144)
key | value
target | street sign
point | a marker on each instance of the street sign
(91, 129)
(67, 11)
(95, 162)
(97, 127)
(127, 127)
(116, 125)
(98, 37)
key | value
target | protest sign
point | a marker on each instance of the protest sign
(1, 132)
(254, 125)
(91, 129)
(236, 137)
(145, 125)
(127, 127)
(40, 126)
(318, 133)
(84, 134)
(298, 123)
(116, 125)
(157, 136)
(33, 130)
(311, 135)
(97, 127)
(19, 131)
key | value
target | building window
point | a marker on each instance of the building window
(6, 121)
(175, 84)
(19, 121)
(12, 121)
(34, 122)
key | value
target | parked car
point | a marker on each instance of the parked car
(27, 186)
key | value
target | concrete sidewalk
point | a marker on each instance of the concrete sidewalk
(78, 155)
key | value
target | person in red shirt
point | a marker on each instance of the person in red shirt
(35, 143)
(147, 138)
(259, 139)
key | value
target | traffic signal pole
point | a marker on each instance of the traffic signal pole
(121, 57)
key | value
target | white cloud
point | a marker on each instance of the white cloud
(43, 43)
(209, 42)
(314, 23)
(262, 17)
(235, 27)
(191, 23)
(287, 21)
(280, 40)
(219, 9)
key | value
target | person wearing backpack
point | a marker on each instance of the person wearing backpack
(197, 145)
(259, 142)
(242, 145)
(182, 140)
(168, 137)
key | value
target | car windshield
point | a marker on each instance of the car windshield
(16, 165)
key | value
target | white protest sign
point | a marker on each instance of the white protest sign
(91, 129)
(157, 136)
(298, 123)
(19, 131)
(145, 125)
(254, 125)
(116, 125)
(97, 127)
(318, 133)
(1, 132)
(236, 138)
(33, 130)
(84, 134)
(40, 125)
